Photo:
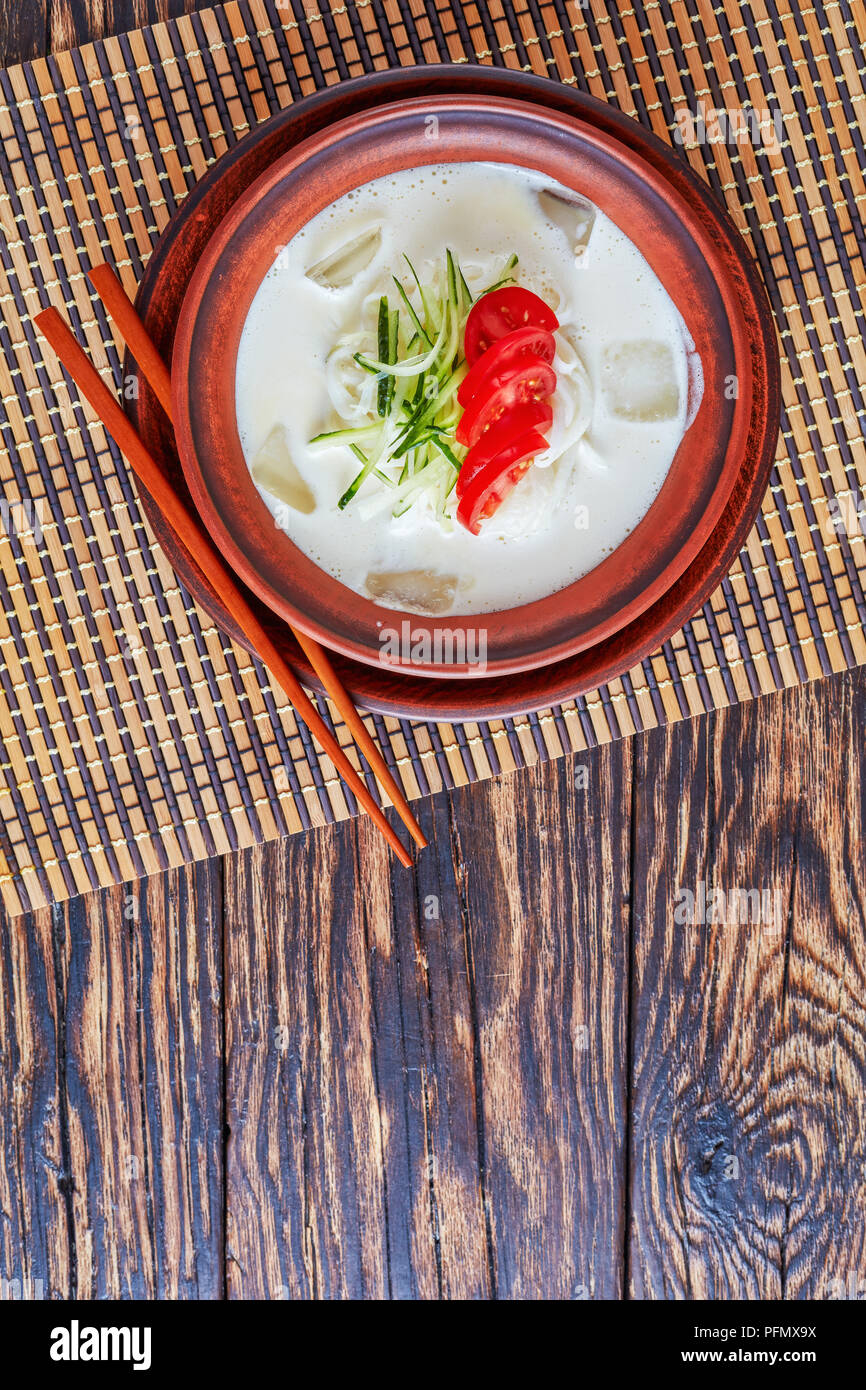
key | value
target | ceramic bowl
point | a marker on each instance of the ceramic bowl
(671, 233)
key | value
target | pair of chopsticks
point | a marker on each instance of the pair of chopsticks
(199, 546)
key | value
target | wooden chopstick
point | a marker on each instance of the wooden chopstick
(199, 546)
(121, 308)
(107, 285)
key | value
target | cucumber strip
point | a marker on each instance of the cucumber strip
(452, 279)
(398, 499)
(447, 452)
(359, 478)
(398, 401)
(401, 386)
(506, 276)
(453, 342)
(393, 339)
(424, 404)
(418, 483)
(446, 391)
(428, 312)
(414, 440)
(347, 436)
(419, 389)
(411, 311)
(382, 327)
(384, 339)
(421, 418)
(413, 365)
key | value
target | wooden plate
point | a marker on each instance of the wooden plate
(374, 144)
(169, 272)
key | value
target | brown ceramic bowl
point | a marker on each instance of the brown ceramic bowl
(372, 143)
(172, 264)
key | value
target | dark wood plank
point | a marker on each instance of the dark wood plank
(332, 1170)
(34, 1214)
(747, 1162)
(426, 1071)
(74, 22)
(23, 30)
(543, 865)
(111, 1093)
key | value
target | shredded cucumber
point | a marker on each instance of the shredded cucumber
(403, 435)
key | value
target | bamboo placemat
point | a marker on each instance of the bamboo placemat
(135, 737)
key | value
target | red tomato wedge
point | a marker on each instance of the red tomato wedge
(501, 312)
(530, 379)
(486, 374)
(489, 488)
(536, 415)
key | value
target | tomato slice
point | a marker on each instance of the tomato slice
(523, 342)
(500, 312)
(530, 379)
(535, 415)
(489, 488)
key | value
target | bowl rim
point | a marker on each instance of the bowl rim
(326, 142)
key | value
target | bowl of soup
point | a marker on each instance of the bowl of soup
(461, 386)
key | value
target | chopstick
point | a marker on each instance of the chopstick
(107, 285)
(198, 544)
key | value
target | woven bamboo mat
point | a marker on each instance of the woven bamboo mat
(135, 737)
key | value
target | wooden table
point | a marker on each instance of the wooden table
(303, 1071)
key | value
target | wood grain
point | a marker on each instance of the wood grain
(111, 1093)
(748, 1158)
(74, 22)
(426, 1080)
(543, 862)
(35, 1225)
(23, 30)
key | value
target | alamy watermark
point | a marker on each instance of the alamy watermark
(706, 905)
(21, 1290)
(850, 1289)
(24, 519)
(433, 646)
(739, 125)
(847, 512)
(77, 1343)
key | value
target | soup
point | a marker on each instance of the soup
(354, 356)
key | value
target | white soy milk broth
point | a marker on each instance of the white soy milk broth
(559, 522)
